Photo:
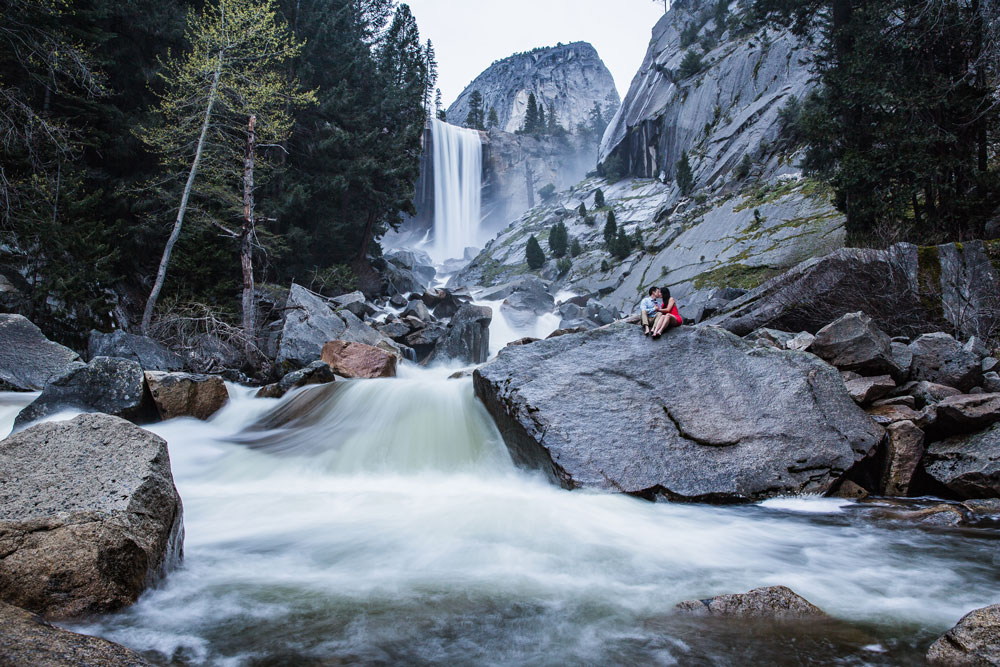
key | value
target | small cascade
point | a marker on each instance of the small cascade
(458, 160)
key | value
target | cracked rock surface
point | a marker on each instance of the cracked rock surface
(697, 415)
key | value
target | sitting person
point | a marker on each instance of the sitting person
(649, 310)
(668, 315)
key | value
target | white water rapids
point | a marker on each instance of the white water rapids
(385, 524)
(458, 156)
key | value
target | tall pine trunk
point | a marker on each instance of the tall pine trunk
(246, 242)
(161, 274)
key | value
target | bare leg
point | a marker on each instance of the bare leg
(645, 321)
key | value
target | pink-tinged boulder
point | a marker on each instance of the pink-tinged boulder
(357, 360)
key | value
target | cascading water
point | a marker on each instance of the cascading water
(458, 163)
(382, 521)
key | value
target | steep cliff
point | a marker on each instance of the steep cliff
(568, 78)
(728, 108)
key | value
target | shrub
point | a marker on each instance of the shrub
(605, 267)
(534, 254)
(558, 239)
(689, 34)
(575, 248)
(564, 265)
(690, 65)
(547, 191)
(590, 221)
(582, 210)
(744, 167)
(614, 168)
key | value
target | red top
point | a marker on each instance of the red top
(676, 313)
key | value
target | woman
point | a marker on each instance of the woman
(669, 315)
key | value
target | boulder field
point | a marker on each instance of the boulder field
(699, 415)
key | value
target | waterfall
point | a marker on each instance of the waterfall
(458, 159)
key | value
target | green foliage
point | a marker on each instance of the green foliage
(564, 265)
(605, 267)
(533, 254)
(558, 239)
(743, 168)
(690, 65)
(689, 35)
(599, 198)
(582, 210)
(575, 248)
(531, 117)
(684, 176)
(637, 239)
(590, 220)
(493, 122)
(610, 230)
(547, 191)
(621, 247)
(789, 116)
(613, 168)
(475, 118)
(592, 130)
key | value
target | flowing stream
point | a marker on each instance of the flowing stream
(382, 522)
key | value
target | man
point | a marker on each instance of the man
(649, 309)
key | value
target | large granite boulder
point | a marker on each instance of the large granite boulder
(904, 450)
(939, 358)
(89, 516)
(28, 360)
(854, 343)
(357, 360)
(318, 372)
(310, 322)
(415, 261)
(108, 385)
(467, 338)
(186, 394)
(969, 465)
(355, 302)
(698, 415)
(973, 642)
(26, 639)
(968, 412)
(774, 602)
(151, 355)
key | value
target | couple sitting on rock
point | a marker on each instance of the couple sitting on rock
(660, 309)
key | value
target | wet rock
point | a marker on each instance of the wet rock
(904, 451)
(417, 309)
(989, 507)
(26, 639)
(467, 338)
(88, 526)
(849, 489)
(939, 358)
(854, 343)
(417, 261)
(355, 303)
(533, 285)
(974, 641)
(357, 360)
(147, 352)
(775, 602)
(318, 372)
(991, 382)
(969, 465)
(943, 515)
(28, 360)
(927, 393)
(460, 375)
(394, 329)
(522, 341)
(186, 394)
(969, 412)
(112, 386)
(564, 332)
(581, 408)
(398, 301)
(867, 389)
(450, 302)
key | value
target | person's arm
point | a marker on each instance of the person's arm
(665, 308)
(670, 305)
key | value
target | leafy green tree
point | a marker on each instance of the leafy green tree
(685, 178)
(534, 254)
(475, 118)
(599, 198)
(610, 230)
(558, 239)
(690, 65)
(235, 69)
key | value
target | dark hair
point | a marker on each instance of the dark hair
(652, 289)
(666, 293)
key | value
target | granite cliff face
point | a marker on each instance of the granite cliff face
(568, 78)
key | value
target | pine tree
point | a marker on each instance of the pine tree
(582, 210)
(599, 198)
(685, 179)
(431, 76)
(475, 118)
(540, 124)
(610, 230)
(744, 167)
(531, 116)
(622, 245)
(575, 248)
(493, 121)
(534, 254)
(637, 239)
(438, 109)
(690, 65)
(558, 239)
(553, 126)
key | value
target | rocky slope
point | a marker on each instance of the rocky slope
(567, 78)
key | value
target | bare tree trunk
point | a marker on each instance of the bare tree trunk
(161, 274)
(246, 241)
(366, 240)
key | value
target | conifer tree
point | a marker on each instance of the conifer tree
(622, 245)
(575, 248)
(540, 124)
(492, 122)
(685, 179)
(610, 230)
(582, 210)
(534, 254)
(531, 116)
(558, 239)
(475, 118)
(599, 198)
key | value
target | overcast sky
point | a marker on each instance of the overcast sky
(468, 35)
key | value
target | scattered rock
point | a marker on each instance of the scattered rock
(969, 465)
(467, 338)
(28, 360)
(582, 409)
(908, 401)
(974, 641)
(854, 343)
(355, 303)
(969, 412)
(398, 301)
(186, 394)
(867, 389)
(990, 364)
(147, 352)
(86, 528)
(902, 357)
(800, 341)
(904, 451)
(770, 338)
(890, 414)
(528, 283)
(318, 372)
(459, 375)
(522, 341)
(417, 309)
(563, 332)
(928, 393)
(775, 602)
(357, 360)
(849, 489)
(939, 358)
(26, 639)
(112, 386)
(991, 382)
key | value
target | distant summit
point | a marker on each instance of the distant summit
(566, 78)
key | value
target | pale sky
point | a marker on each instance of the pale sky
(468, 35)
